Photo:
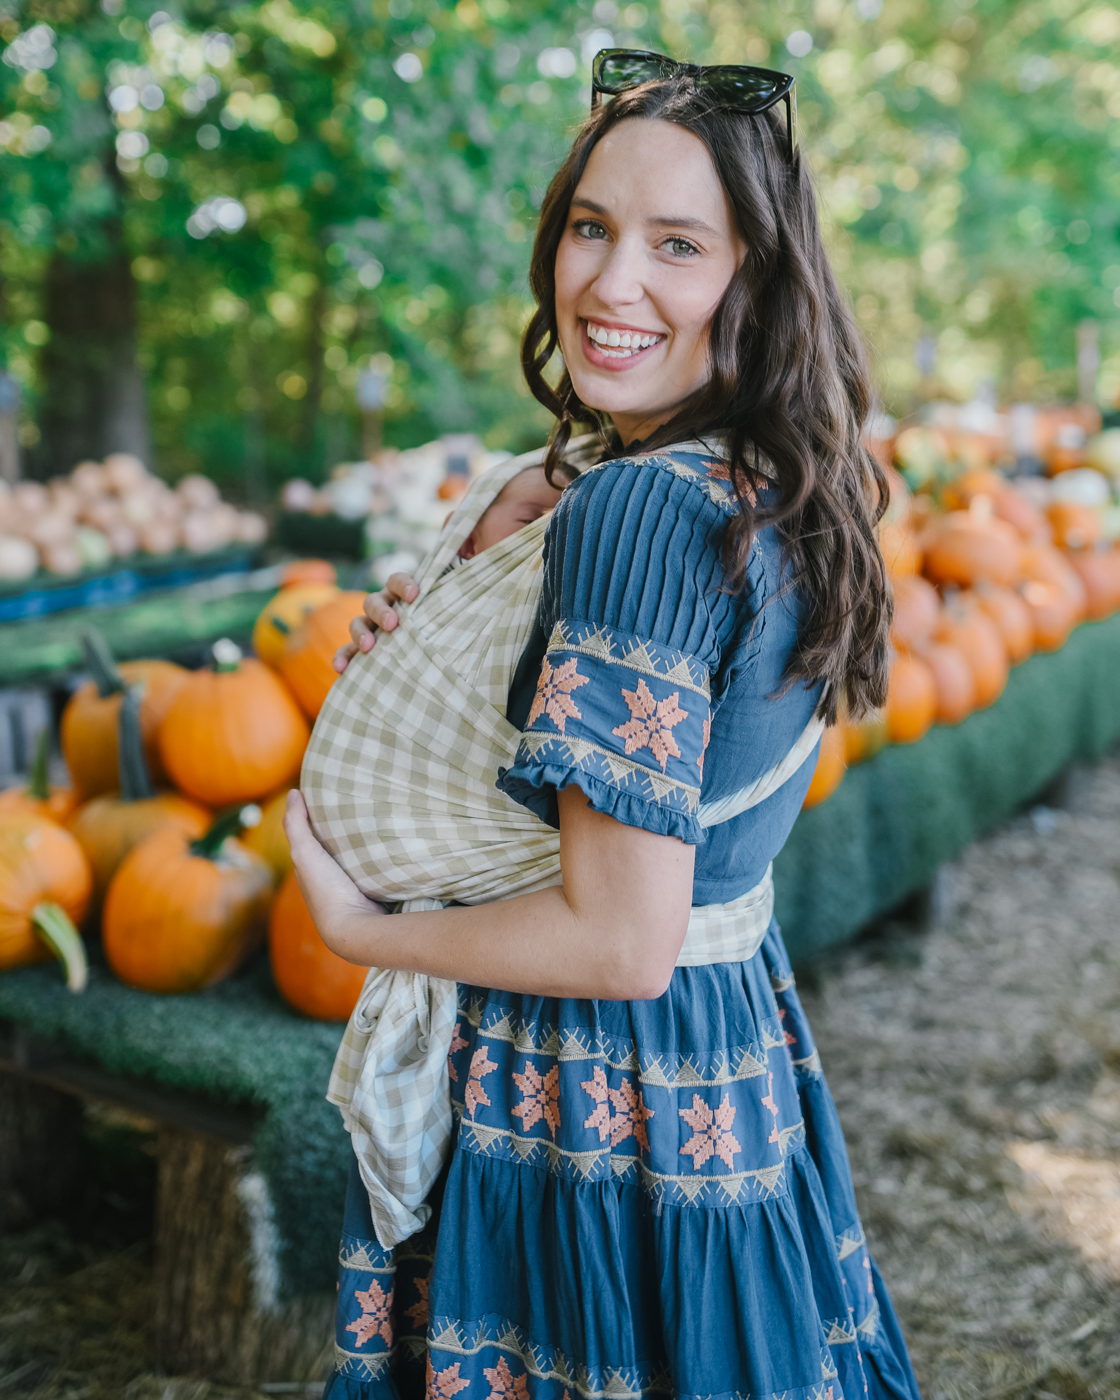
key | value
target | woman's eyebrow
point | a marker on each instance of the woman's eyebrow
(657, 221)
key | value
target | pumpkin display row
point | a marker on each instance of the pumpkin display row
(983, 573)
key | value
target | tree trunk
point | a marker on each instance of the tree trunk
(93, 401)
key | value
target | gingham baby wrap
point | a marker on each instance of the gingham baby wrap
(399, 780)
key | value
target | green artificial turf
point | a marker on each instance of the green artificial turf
(879, 837)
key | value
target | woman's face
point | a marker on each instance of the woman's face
(648, 252)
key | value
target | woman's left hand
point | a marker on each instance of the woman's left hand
(338, 908)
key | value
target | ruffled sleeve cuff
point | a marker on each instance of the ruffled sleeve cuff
(623, 719)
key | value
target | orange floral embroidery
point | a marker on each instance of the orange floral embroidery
(540, 1097)
(553, 697)
(711, 1132)
(630, 1112)
(651, 723)
(704, 750)
(503, 1384)
(375, 1321)
(443, 1385)
(457, 1043)
(481, 1064)
(419, 1311)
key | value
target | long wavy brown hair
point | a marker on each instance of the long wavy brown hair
(789, 388)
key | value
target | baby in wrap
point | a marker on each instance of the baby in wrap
(399, 781)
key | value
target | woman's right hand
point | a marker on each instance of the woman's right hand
(377, 613)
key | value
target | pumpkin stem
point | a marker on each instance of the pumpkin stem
(39, 787)
(227, 655)
(226, 824)
(55, 927)
(281, 626)
(100, 664)
(136, 781)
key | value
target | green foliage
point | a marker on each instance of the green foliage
(303, 185)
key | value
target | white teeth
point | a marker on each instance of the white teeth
(614, 339)
(620, 344)
(625, 339)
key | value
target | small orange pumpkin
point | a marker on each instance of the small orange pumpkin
(1046, 564)
(40, 798)
(959, 493)
(967, 546)
(916, 610)
(830, 767)
(44, 892)
(1099, 571)
(109, 826)
(1075, 526)
(863, 738)
(1011, 615)
(307, 571)
(953, 682)
(902, 553)
(89, 722)
(180, 914)
(976, 636)
(911, 699)
(309, 652)
(1053, 614)
(267, 838)
(1023, 515)
(233, 733)
(281, 615)
(307, 974)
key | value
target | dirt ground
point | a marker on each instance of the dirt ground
(976, 1066)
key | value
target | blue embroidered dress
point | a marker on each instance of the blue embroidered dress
(651, 1197)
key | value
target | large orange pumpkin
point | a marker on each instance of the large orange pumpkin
(830, 766)
(916, 610)
(89, 722)
(967, 627)
(44, 893)
(911, 699)
(967, 546)
(308, 975)
(107, 827)
(308, 571)
(1099, 572)
(180, 914)
(40, 798)
(953, 682)
(268, 839)
(283, 614)
(234, 733)
(1011, 615)
(306, 661)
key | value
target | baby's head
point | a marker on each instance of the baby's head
(521, 500)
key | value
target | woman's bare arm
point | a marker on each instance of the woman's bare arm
(611, 931)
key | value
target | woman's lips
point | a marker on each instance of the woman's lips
(614, 358)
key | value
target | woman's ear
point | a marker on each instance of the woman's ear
(468, 549)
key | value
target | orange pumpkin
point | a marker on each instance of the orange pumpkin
(233, 733)
(902, 553)
(1011, 615)
(306, 661)
(1013, 507)
(40, 798)
(959, 493)
(267, 838)
(953, 683)
(1075, 526)
(911, 699)
(1053, 614)
(863, 738)
(830, 766)
(967, 546)
(307, 571)
(44, 893)
(180, 914)
(976, 636)
(308, 975)
(1044, 563)
(109, 826)
(916, 610)
(89, 722)
(282, 614)
(1099, 572)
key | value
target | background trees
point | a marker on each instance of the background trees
(211, 216)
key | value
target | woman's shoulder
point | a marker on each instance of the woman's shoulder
(699, 467)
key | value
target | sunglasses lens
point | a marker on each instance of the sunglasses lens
(619, 72)
(745, 90)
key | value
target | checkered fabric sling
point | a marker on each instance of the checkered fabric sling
(399, 780)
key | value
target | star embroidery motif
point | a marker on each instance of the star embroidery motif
(553, 697)
(618, 1113)
(374, 1321)
(711, 1132)
(651, 723)
(457, 1044)
(419, 1311)
(481, 1064)
(443, 1385)
(503, 1385)
(704, 750)
(540, 1097)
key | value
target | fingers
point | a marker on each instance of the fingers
(378, 613)
(343, 657)
(402, 588)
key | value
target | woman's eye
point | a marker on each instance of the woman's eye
(681, 247)
(588, 228)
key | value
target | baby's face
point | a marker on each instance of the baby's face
(521, 501)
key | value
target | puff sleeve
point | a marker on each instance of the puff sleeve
(632, 608)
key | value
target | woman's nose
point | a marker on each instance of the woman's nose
(619, 282)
